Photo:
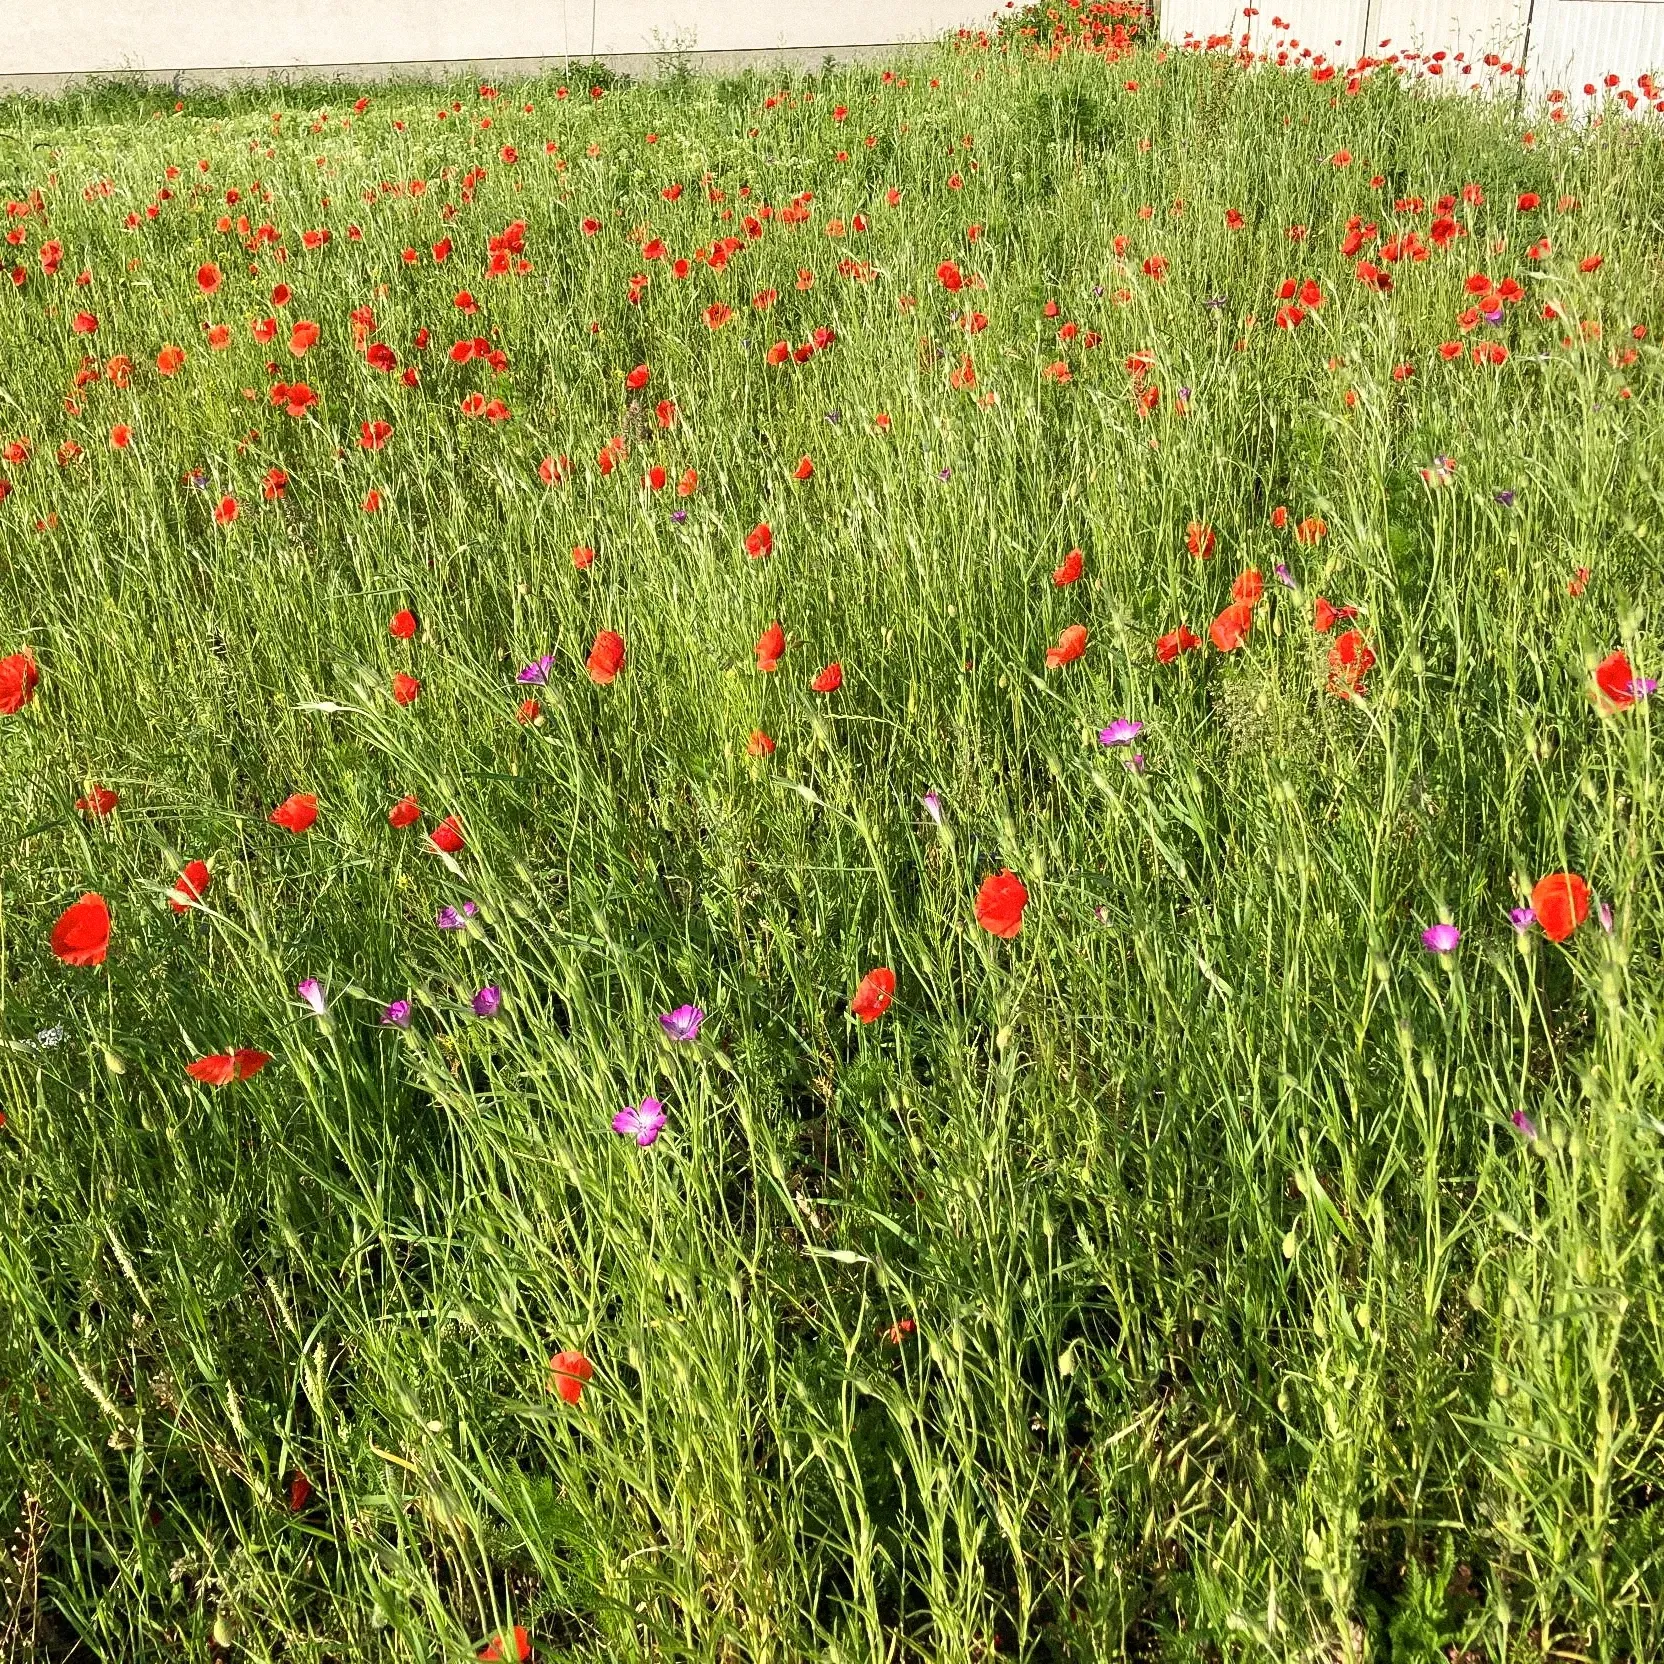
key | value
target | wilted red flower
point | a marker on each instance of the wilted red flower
(81, 937)
(1000, 903)
(1175, 642)
(295, 813)
(1349, 661)
(873, 996)
(300, 1492)
(606, 657)
(569, 1373)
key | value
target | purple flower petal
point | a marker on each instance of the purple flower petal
(1524, 1125)
(1506, 498)
(1441, 938)
(682, 1024)
(1122, 731)
(932, 801)
(1604, 913)
(1284, 576)
(1641, 686)
(1521, 918)
(312, 992)
(538, 670)
(643, 1122)
(488, 1001)
(397, 1015)
(1134, 764)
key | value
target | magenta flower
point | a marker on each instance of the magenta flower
(1284, 576)
(1524, 1125)
(312, 992)
(451, 918)
(1134, 764)
(397, 1015)
(488, 1001)
(538, 670)
(1521, 918)
(1122, 731)
(682, 1024)
(643, 1122)
(1441, 938)
(932, 801)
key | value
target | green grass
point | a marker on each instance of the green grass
(1244, 1325)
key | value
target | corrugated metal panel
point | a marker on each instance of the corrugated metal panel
(1336, 29)
(1473, 27)
(1574, 42)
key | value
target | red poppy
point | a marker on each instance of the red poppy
(18, 680)
(950, 277)
(1311, 530)
(121, 436)
(1000, 903)
(759, 541)
(664, 412)
(606, 657)
(208, 278)
(447, 836)
(402, 625)
(716, 315)
(295, 813)
(303, 337)
(1349, 661)
(81, 937)
(1069, 572)
(1230, 629)
(872, 998)
(637, 378)
(1175, 642)
(770, 645)
(1249, 586)
(1614, 682)
(655, 477)
(528, 712)
(406, 812)
(1199, 539)
(191, 885)
(98, 802)
(373, 435)
(829, 679)
(569, 1373)
(300, 1492)
(379, 356)
(687, 484)
(405, 689)
(225, 1067)
(170, 359)
(804, 470)
(759, 745)
(1070, 645)
(518, 1647)
(84, 323)
(1561, 903)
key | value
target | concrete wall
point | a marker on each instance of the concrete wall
(45, 41)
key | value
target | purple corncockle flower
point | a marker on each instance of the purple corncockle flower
(1603, 912)
(945, 474)
(678, 515)
(312, 992)
(1441, 938)
(1134, 764)
(1641, 686)
(1494, 317)
(449, 918)
(488, 1001)
(1506, 497)
(538, 670)
(397, 1015)
(932, 801)
(682, 1024)
(1122, 731)
(1524, 1125)
(1521, 918)
(1284, 576)
(643, 1122)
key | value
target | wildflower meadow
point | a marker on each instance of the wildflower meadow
(852, 865)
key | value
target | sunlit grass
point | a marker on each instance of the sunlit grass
(1172, 1279)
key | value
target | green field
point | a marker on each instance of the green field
(1215, 1261)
